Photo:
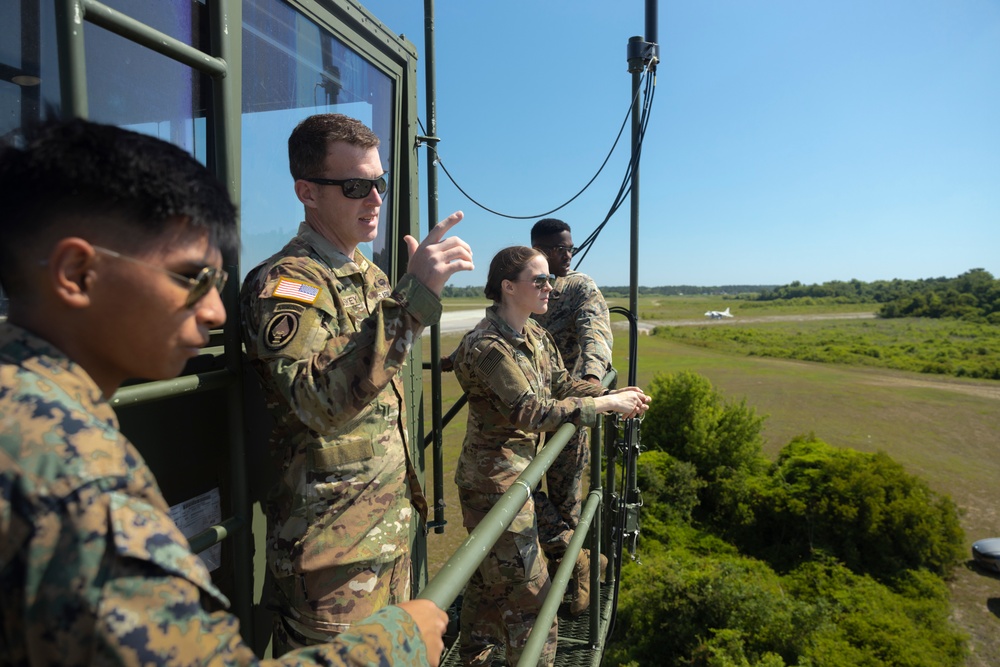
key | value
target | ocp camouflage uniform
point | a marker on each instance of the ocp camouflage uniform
(92, 568)
(328, 337)
(580, 325)
(517, 390)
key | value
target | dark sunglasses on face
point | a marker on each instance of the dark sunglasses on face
(542, 280)
(207, 278)
(572, 250)
(354, 188)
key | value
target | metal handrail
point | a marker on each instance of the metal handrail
(214, 534)
(445, 587)
(550, 608)
(125, 26)
(163, 389)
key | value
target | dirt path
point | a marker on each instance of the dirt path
(645, 326)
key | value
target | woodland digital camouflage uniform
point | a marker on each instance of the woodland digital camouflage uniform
(580, 324)
(92, 568)
(328, 337)
(517, 390)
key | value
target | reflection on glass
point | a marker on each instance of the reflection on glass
(132, 86)
(292, 68)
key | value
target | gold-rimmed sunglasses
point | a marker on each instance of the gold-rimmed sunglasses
(207, 278)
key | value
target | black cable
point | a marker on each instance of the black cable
(621, 131)
(626, 186)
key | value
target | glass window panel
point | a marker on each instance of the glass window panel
(29, 65)
(132, 86)
(293, 68)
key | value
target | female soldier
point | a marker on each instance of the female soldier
(517, 388)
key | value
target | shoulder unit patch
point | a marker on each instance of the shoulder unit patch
(280, 330)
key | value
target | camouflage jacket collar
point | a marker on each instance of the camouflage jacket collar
(338, 262)
(19, 347)
(526, 341)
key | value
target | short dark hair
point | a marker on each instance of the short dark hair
(506, 265)
(78, 176)
(309, 141)
(548, 227)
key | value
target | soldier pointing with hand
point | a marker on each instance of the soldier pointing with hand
(328, 336)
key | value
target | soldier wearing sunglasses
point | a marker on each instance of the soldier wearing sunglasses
(580, 324)
(328, 335)
(518, 390)
(111, 247)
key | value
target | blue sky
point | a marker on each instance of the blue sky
(789, 139)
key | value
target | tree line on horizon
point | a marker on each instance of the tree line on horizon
(476, 291)
(973, 296)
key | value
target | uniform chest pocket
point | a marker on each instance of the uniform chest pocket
(357, 441)
(347, 450)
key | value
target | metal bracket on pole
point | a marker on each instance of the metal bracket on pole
(642, 54)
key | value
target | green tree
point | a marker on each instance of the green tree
(690, 420)
(863, 509)
(722, 439)
(679, 605)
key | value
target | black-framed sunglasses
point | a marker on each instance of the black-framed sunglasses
(354, 188)
(572, 250)
(207, 278)
(542, 280)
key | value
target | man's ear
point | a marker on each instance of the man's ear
(306, 193)
(70, 271)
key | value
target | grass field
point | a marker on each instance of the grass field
(942, 429)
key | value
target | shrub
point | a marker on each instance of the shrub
(861, 508)
(689, 419)
(677, 606)
(720, 609)
(867, 623)
(669, 487)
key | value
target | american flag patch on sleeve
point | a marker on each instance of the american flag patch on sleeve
(489, 363)
(293, 289)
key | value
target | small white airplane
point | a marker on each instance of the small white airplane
(718, 314)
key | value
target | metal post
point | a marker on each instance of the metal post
(226, 24)
(437, 452)
(72, 61)
(635, 66)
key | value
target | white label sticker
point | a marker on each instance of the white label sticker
(198, 514)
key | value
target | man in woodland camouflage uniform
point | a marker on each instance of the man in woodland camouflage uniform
(328, 336)
(110, 251)
(580, 324)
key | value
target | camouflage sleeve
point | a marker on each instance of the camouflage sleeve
(117, 583)
(494, 369)
(564, 384)
(327, 366)
(161, 621)
(593, 324)
(149, 617)
(390, 636)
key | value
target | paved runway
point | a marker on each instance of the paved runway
(459, 321)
